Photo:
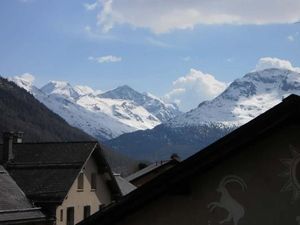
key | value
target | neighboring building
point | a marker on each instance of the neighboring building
(15, 208)
(69, 181)
(125, 186)
(251, 176)
(148, 173)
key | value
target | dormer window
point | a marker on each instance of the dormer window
(80, 181)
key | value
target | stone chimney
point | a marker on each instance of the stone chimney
(8, 139)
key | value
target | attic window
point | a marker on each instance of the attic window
(80, 182)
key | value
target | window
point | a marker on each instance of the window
(70, 216)
(94, 181)
(61, 216)
(80, 182)
(86, 211)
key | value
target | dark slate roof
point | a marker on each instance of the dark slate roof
(46, 171)
(53, 152)
(287, 111)
(14, 206)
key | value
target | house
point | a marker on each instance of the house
(250, 176)
(15, 208)
(69, 181)
(148, 173)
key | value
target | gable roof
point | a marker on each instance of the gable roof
(286, 111)
(14, 206)
(46, 171)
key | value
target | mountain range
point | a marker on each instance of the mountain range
(243, 100)
(142, 126)
(20, 111)
(102, 115)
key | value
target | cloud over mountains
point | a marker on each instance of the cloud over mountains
(165, 16)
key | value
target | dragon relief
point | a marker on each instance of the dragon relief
(235, 210)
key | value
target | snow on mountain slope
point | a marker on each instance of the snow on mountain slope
(60, 88)
(186, 134)
(243, 100)
(124, 111)
(82, 107)
(152, 104)
(84, 90)
(97, 124)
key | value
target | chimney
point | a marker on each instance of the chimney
(8, 139)
(18, 137)
(7, 146)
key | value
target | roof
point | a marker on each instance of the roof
(124, 185)
(287, 111)
(14, 206)
(46, 171)
(152, 167)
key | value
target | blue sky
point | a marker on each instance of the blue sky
(145, 44)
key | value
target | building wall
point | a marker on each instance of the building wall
(264, 189)
(85, 197)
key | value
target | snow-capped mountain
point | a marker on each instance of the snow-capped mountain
(99, 124)
(151, 103)
(244, 99)
(83, 107)
(86, 90)
(124, 111)
(60, 88)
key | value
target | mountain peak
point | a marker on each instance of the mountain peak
(122, 92)
(60, 88)
(125, 86)
(244, 99)
(25, 81)
(84, 90)
(157, 107)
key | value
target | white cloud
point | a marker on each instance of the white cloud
(91, 6)
(165, 16)
(268, 62)
(94, 34)
(107, 18)
(190, 90)
(106, 59)
(157, 43)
